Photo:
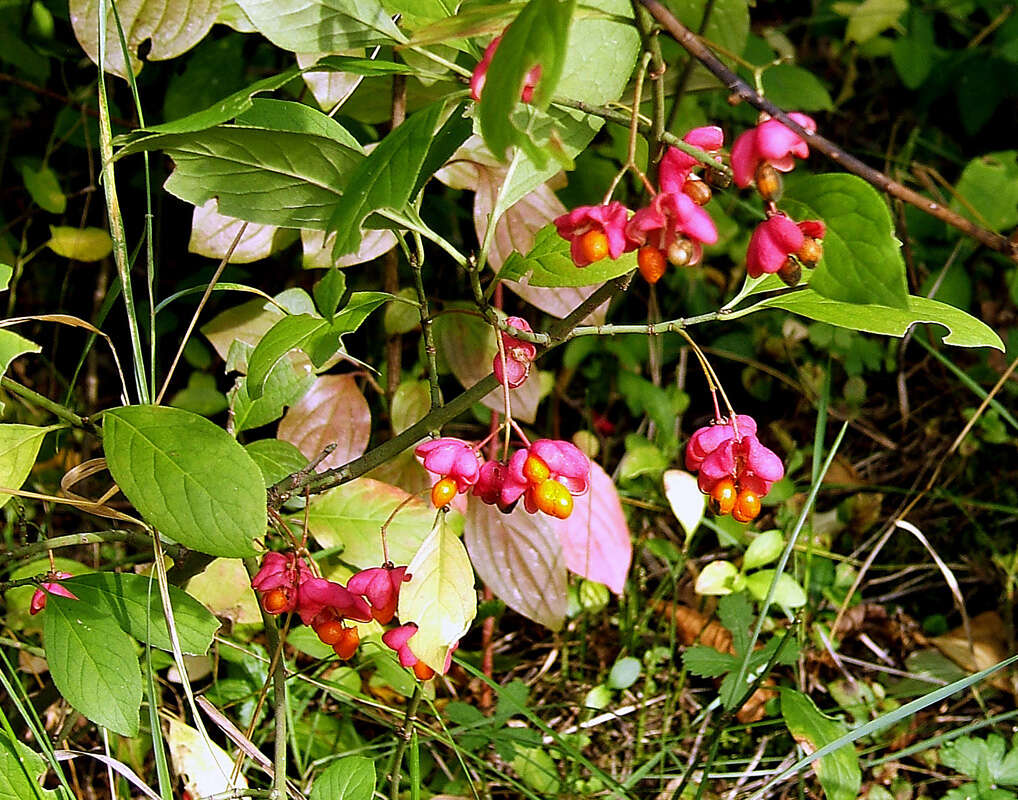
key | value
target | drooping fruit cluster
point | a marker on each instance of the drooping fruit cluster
(736, 469)
(287, 584)
(672, 228)
(547, 474)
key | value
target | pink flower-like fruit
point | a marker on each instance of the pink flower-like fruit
(50, 587)
(547, 475)
(675, 225)
(279, 580)
(772, 143)
(676, 166)
(595, 232)
(380, 585)
(777, 238)
(518, 356)
(318, 595)
(450, 458)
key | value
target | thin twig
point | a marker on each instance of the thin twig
(404, 740)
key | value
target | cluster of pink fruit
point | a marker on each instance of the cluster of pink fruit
(287, 584)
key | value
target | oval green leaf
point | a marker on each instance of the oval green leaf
(19, 445)
(187, 477)
(549, 264)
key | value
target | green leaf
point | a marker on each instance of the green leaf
(44, 187)
(549, 264)
(728, 24)
(351, 516)
(288, 381)
(787, 594)
(624, 673)
(862, 260)
(6, 271)
(538, 36)
(329, 291)
(688, 503)
(707, 662)
(914, 55)
(440, 597)
(602, 52)
(763, 550)
(12, 346)
(93, 664)
(982, 759)
(964, 330)
(537, 769)
(736, 614)
(717, 578)
(349, 778)
(322, 26)
(312, 335)
(287, 115)
(276, 459)
(789, 86)
(839, 771)
(19, 445)
(385, 178)
(124, 598)
(989, 188)
(187, 477)
(261, 175)
(870, 18)
(80, 244)
(21, 772)
(200, 396)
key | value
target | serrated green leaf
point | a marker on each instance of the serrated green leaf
(187, 477)
(989, 188)
(322, 26)
(349, 778)
(124, 597)
(964, 330)
(271, 177)
(21, 772)
(862, 260)
(44, 187)
(736, 614)
(93, 664)
(549, 264)
(276, 459)
(839, 771)
(385, 178)
(538, 36)
(707, 662)
(19, 445)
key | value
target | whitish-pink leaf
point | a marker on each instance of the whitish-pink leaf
(519, 557)
(330, 89)
(212, 234)
(334, 411)
(467, 344)
(318, 248)
(595, 538)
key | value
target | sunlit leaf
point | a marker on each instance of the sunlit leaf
(203, 765)
(44, 187)
(212, 234)
(548, 263)
(333, 411)
(80, 244)
(19, 445)
(276, 459)
(224, 587)
(310, 26)
(687, 501)
(21, 772)
(348, 778)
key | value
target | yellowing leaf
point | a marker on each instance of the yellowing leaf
(80, 244)
(225, 588)
(19, 445)
(440, 597)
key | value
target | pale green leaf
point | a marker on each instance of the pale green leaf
(728, 24)
(988, 190)
(19, 445)
(304, 332)
(870, 18)
(201, 395)
(204, 766)
(549, 264)
(716, 578)
(349, 778)
(21, 772)
(44, 187)
(351, 516)
(224, 587)
(602, 52)
(685, 498)
(171, 27)
(124, 598)
(322, 26)
(789, 86)
(537, 769)
(964, 330)
(80, 244)
(288, 381)
(93, 663)
(18, 600)
(276, 459)
(187, 477)
(839, 771)
(787, 594)
(763, 550)
(12, 346)
(410, 404)
(440, 597)
(862, 260)
(624, 673)
(6, 271)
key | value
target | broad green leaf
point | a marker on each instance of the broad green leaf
(549, 264)
(537, 769)
(736, 614)
(862, 260)
(12, 346)
(763, 550)
(287, 115)
(80, 244)
(869, 18)
(989, 188)
(288, 381)
(21, 772)
(914, 55)
(93, 663)
(271, 177)
(519, 557)
(787, 594)
(187, 477)
(312, 335)
(624, 673)
(963, 330)
(440, 597)
(322, 26)
(44, 187)
(19, 445)
(716, 578)
(538, 36)
(349, 778)
(687, 501)
(124, 598)
(602, 52)
(839, 771)
(276, 459)
(201, 395)
(983, 759)
(171, 27)
(789, 86)
(385, 178)
(351, 516)
(357, 309)
(467, 22)
(329, 291)
(707, 662)
(18, 600)
(6, 271)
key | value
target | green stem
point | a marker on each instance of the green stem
(78, 539)
(57, 410)
(430, 351)
(404, 740)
